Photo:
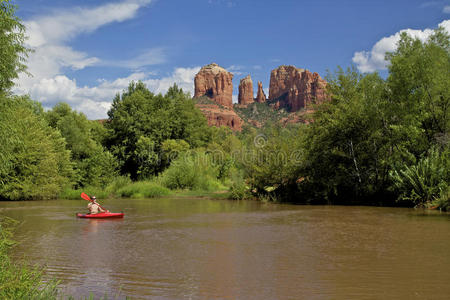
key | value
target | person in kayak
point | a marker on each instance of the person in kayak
(93, 207)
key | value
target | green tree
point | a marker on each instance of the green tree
(271, 159)
(35, 162)
(419, 85)
(348, 149)
(94, 165)
(13, 52)
(140, 122)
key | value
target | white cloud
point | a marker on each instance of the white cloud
(446, 9)
(183, 77)
(65, 25)
(370, 61)
(49, 36)
(96, 101)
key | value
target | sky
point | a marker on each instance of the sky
(86, 51)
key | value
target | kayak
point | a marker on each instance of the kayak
(101, 215)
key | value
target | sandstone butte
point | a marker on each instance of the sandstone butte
(245, 91)
(296, 88)
(290, 88)
(260, 96)
(216, 83)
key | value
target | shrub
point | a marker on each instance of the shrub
(71, 194)
(426, 180)
(193, 171)
(238, 188)
(118, 183)
(143, 189)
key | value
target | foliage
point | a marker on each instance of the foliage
(147, 189)
(238, 188)
(140, 122)
(93, 164)
(20, 281)
(13, 52)
(192, 170)
(35, 162)
(260, 112)
(424, 182)
(74, 194)
(117, 183)
(271, 158)
(348, 150)
(419, 85)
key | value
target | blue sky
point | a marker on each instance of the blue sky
(86, 51)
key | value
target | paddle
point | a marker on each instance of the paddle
(86, 197)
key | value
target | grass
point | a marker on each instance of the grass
(71, 194)
(143, 189)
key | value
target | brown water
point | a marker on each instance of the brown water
(218, 249)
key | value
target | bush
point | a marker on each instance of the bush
(143, 189)
(117, 184)
(238, 188)
(71, 194)
(443, 201)
(193, 171)
(425, 181)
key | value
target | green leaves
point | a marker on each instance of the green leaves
(93, 164)
(13, 53)
(141, 126)
(35, 163)
(423, 182)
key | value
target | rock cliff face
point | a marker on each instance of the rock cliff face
(245, 91)
(296, 88)
(260, 96)
(216, 83)
(221, 116)
(291, 88)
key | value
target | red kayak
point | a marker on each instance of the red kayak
(101, 215)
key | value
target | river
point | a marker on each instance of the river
(188, 248)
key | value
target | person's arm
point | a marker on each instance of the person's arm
(101, 209)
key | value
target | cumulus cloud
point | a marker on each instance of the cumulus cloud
(95, 101)
(370, 61)
(49, 37)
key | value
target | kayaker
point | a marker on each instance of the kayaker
(93, 206)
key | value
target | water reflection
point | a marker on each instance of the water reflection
(199, 248)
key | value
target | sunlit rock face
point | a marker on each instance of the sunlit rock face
(245, 91)
(216, 83)
(260, 96)
(221, 116)
(296, 88)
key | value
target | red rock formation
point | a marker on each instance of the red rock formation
(296, 88)
(261, 96)
(245, 91)
(221, 116)
(216, 83)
